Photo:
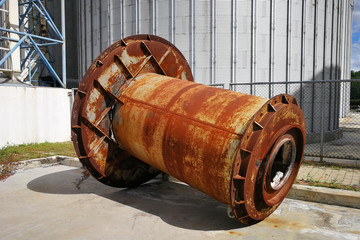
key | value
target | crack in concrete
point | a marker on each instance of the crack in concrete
(79, 181)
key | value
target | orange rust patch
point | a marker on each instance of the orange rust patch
(189, 130)
(236, 233)
(278, 222)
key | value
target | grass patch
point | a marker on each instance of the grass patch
(6, 170)
(11, 154)
(310, 181)
(38, 150)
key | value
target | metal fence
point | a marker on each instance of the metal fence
(332, 124)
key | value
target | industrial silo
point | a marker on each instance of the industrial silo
(240, 41)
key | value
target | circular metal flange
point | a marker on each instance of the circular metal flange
(280, 163)
(99, 92)
(268, 160)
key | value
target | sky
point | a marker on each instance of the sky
(355, 52)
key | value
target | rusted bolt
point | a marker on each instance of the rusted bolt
(141, 113)
(99, 63)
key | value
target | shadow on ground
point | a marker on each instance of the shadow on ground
(175, 203)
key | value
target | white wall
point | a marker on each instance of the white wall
(34, 115)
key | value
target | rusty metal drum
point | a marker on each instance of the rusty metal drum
(138, 112)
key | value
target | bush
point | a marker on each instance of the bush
(355, 90)
(354, 103)
(355, 86)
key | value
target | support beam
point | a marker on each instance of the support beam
(63, 47)
(28, 40)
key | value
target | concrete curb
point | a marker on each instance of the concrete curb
(48, 161)
(325, 195)
(330, 196)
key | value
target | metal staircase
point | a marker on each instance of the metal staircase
(26, 45)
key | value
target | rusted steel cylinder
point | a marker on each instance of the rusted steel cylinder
(187, 130)
(138, 112)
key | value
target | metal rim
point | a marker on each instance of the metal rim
(98, 94)
(274, 195)
(284, 146)
(250, 200)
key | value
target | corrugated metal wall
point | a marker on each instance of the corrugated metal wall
(274, 40)
(233, 41)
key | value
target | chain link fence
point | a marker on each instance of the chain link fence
(332, 122)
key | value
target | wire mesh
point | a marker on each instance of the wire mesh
(332, 123)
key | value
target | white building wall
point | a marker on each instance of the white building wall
(34, 115)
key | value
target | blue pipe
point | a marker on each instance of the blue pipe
(30, 35)
(48, 44)
(51, 20)
(63, 48)
(26, 58)
(48, 19)
(24, 15)
(10, 39)
(47, 64)
(36, 69)
(2, 2)
(23, 3)
(12, 50)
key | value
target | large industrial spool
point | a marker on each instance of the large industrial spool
(137, 112)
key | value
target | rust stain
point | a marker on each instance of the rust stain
(138, 111)
(236, 233)
(284, 224)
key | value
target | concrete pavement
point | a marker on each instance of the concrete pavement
(332, 175)
(340, 175)
(60, 202)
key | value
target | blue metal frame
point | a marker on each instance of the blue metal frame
(34, 43)
(46, 62)
(2, 2)
(22, 17)
(49, 19)
(12, 50)
(29, 34)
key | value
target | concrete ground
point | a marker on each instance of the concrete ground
(352, 120)
(60, 202)
(346, 147)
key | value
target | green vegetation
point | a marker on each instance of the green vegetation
(355, 75)
(355, 102)
(11, 154)
(6, 169)
(309, 181)
(355, 87)
(333, 184)
(30, 151)
(310, 178)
